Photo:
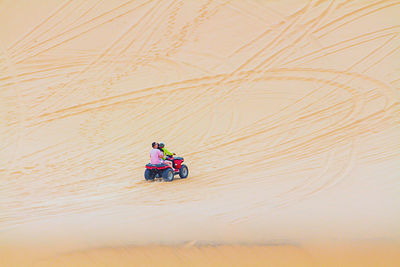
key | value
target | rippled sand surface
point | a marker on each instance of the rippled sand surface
(286, 112)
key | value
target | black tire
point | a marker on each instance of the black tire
(149, 175)
(168, 175)
(183, 171)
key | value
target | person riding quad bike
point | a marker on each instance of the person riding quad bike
(161, 154)
(167, 153)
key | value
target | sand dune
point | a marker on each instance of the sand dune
(377, 254)
(287, 114)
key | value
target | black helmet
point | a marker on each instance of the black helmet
(161, 145)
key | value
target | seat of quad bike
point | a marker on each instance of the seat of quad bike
(178, 158)
(155, 166)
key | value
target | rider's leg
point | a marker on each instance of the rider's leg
(169, 163)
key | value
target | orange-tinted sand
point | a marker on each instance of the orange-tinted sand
(355, 255)
(287, 114)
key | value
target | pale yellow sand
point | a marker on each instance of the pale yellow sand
(287, 114)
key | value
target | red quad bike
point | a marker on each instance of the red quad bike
(163, 170)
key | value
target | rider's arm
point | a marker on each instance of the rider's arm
(167, 152)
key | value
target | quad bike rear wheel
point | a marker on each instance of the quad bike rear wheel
(183, 171)
(168, 175)
(149, 175)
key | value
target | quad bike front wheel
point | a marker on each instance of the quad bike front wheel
(183, 171)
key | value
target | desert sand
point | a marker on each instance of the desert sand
(286, 112)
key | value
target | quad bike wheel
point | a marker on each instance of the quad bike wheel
(168, 175)
(149, 175)
(183, 171)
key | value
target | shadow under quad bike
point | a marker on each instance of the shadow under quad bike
(162, 170)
